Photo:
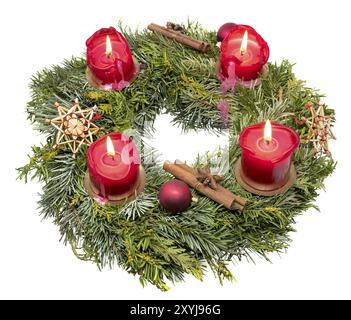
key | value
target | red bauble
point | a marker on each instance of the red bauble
(224, 30)
(175, 196)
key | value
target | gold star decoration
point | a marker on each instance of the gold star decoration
(319, 126)
(74, 126)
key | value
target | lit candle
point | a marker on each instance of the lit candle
(266, 155)
(244, 51)
(113, 164)
(109, 59)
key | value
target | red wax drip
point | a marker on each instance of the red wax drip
(114, 68)
(113, 175)
(249, 64)
(268, 162)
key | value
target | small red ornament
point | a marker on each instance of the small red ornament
(175, 196)
(224, 30)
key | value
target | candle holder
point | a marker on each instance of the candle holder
(263, 189)
(97, 83)
(124, 198)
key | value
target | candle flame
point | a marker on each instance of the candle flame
(243, 47)
(109, 146)
(108, 46)
(268, 131)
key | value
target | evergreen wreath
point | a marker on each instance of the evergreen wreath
(140, 236)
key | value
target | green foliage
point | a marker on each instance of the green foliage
(140, 237)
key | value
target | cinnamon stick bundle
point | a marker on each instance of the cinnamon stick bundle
(221, 195)
(181, 38)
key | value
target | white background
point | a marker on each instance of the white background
(36, 34)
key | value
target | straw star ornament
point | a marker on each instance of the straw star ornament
(319, 126)
(75, 126)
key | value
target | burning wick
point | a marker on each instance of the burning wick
(243, 47)
(109, 147)
(267, 136)
(108, 47)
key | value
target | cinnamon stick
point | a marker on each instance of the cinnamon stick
(181, 38)
(191, 170)
(227, 198)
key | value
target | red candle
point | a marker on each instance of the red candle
(267, 152)
(244, 51)
(109, 58)
(113, 163)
